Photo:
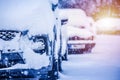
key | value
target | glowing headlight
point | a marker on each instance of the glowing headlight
(25, 72)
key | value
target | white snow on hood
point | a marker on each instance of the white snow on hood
(75, 16)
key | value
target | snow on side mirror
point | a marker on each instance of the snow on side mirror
(54, 2)
(25, 32)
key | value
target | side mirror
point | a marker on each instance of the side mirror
(25, 32)
(54, 4)
(64, 21)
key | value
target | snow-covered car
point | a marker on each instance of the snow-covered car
(80, 40)
(80, 31)
(30, 38)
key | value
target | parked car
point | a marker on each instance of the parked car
(108, 26)
(80, 40)
(33, 52)
(80, 31)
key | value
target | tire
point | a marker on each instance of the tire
(65, 56)
(60, 64)
(55, 70)
(89, 50)
(54, 73)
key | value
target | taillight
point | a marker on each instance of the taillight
(91, 38)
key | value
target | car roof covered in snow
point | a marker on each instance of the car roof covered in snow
(68, 12)
(76, 17)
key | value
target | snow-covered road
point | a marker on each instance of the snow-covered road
(102, 64)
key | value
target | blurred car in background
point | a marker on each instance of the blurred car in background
(108, 26)
(80, 31)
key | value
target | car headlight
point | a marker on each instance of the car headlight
(25, 72)
(39, 44)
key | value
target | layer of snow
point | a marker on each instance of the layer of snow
(34, 15)
(33, 61)
(13, 44)
(27, 14)
(64, 39)
(54, 2)
(102, 64)
(76, 17)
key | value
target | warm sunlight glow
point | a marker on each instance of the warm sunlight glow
(107, 23)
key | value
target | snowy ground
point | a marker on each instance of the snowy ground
(102, 64)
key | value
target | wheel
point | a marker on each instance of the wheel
(89, 50)
(54, 73)
(65, 56)
(60, 64)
